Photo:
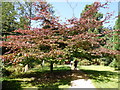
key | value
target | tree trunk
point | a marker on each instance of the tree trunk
(51, 66)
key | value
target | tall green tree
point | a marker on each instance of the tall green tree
(25, 11)
(9, 22)
(116, 36)
(96, 16)
(116, 41)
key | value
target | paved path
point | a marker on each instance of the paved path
(82, 82)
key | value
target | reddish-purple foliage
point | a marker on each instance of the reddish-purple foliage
(49, 37)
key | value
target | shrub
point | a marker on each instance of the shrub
(97, 61)
(114, 64)
(85, 62)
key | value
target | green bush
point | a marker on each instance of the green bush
(85, 62)
(97, 62)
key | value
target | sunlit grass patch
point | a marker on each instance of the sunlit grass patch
(64, 86)
(102, 76)
(98, 68)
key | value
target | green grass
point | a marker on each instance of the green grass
(39, 78)
(102, 76)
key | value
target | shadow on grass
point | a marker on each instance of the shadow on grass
(42, 79)
(45, 80)
(55, 79)
(100, 76)
(51, 80)
(11, 85)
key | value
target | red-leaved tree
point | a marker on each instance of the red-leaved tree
(59, 41)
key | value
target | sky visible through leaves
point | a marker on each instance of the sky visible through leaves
(64, 10)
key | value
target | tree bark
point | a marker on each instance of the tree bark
(51, 66)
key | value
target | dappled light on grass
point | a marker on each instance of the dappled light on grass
(61, 77)
(104, 77)
(54, 79)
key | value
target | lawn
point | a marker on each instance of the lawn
(39, 78)
(101, 76)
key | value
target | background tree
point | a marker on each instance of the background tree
(47, 20)
(116, 42)
(96, 16)
(25, 10)
(116, 38)
(9, 22)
